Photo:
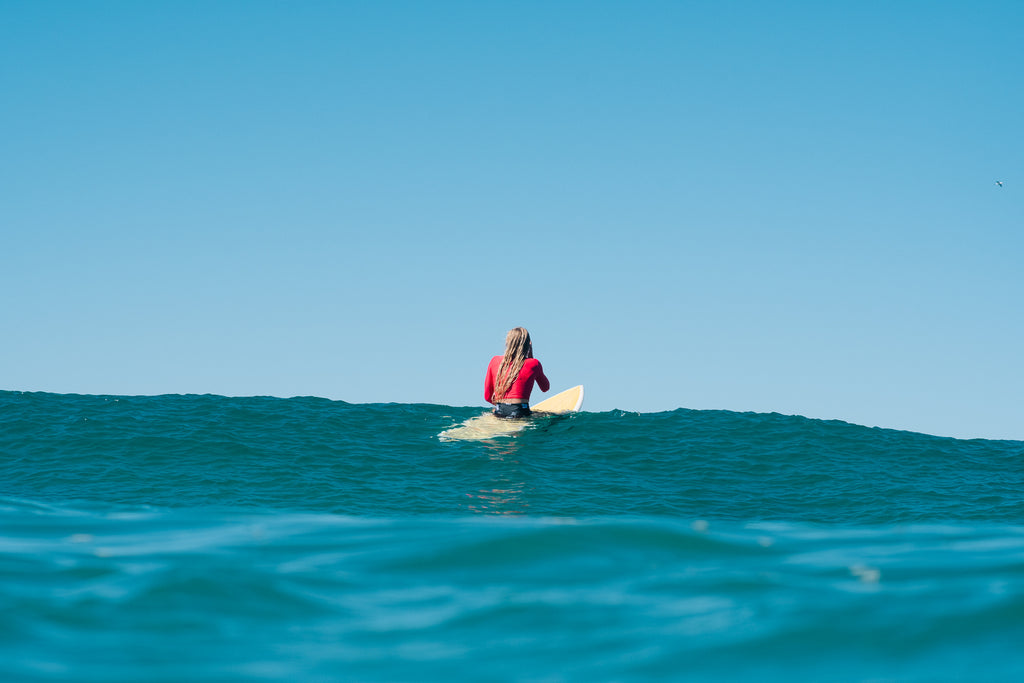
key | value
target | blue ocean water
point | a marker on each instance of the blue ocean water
(207, 538)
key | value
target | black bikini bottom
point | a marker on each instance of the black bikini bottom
(512, 410)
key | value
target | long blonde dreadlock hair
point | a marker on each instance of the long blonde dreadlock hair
(518, 348)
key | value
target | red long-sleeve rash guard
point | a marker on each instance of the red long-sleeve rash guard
(523, 386)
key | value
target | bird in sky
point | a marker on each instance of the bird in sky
(999, 183)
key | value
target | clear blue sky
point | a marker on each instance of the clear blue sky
(778, 207)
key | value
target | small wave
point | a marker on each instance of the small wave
(231, 593)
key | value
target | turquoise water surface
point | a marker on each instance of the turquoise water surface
(208, 538)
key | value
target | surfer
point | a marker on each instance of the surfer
(510, 378)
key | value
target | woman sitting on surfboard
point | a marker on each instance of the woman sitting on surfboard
(510, 378)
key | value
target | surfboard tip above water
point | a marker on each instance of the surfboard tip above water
(568, 401)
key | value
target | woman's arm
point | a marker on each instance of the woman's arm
(542, 380)
(489, 383)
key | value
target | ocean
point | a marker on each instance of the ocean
(206, 538)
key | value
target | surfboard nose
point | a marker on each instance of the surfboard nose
(568, 401)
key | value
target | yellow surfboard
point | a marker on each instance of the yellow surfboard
(568, 401)
(487, 426)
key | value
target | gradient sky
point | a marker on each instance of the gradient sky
(776, 207)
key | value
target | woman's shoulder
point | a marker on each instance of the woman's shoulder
(531, 362)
